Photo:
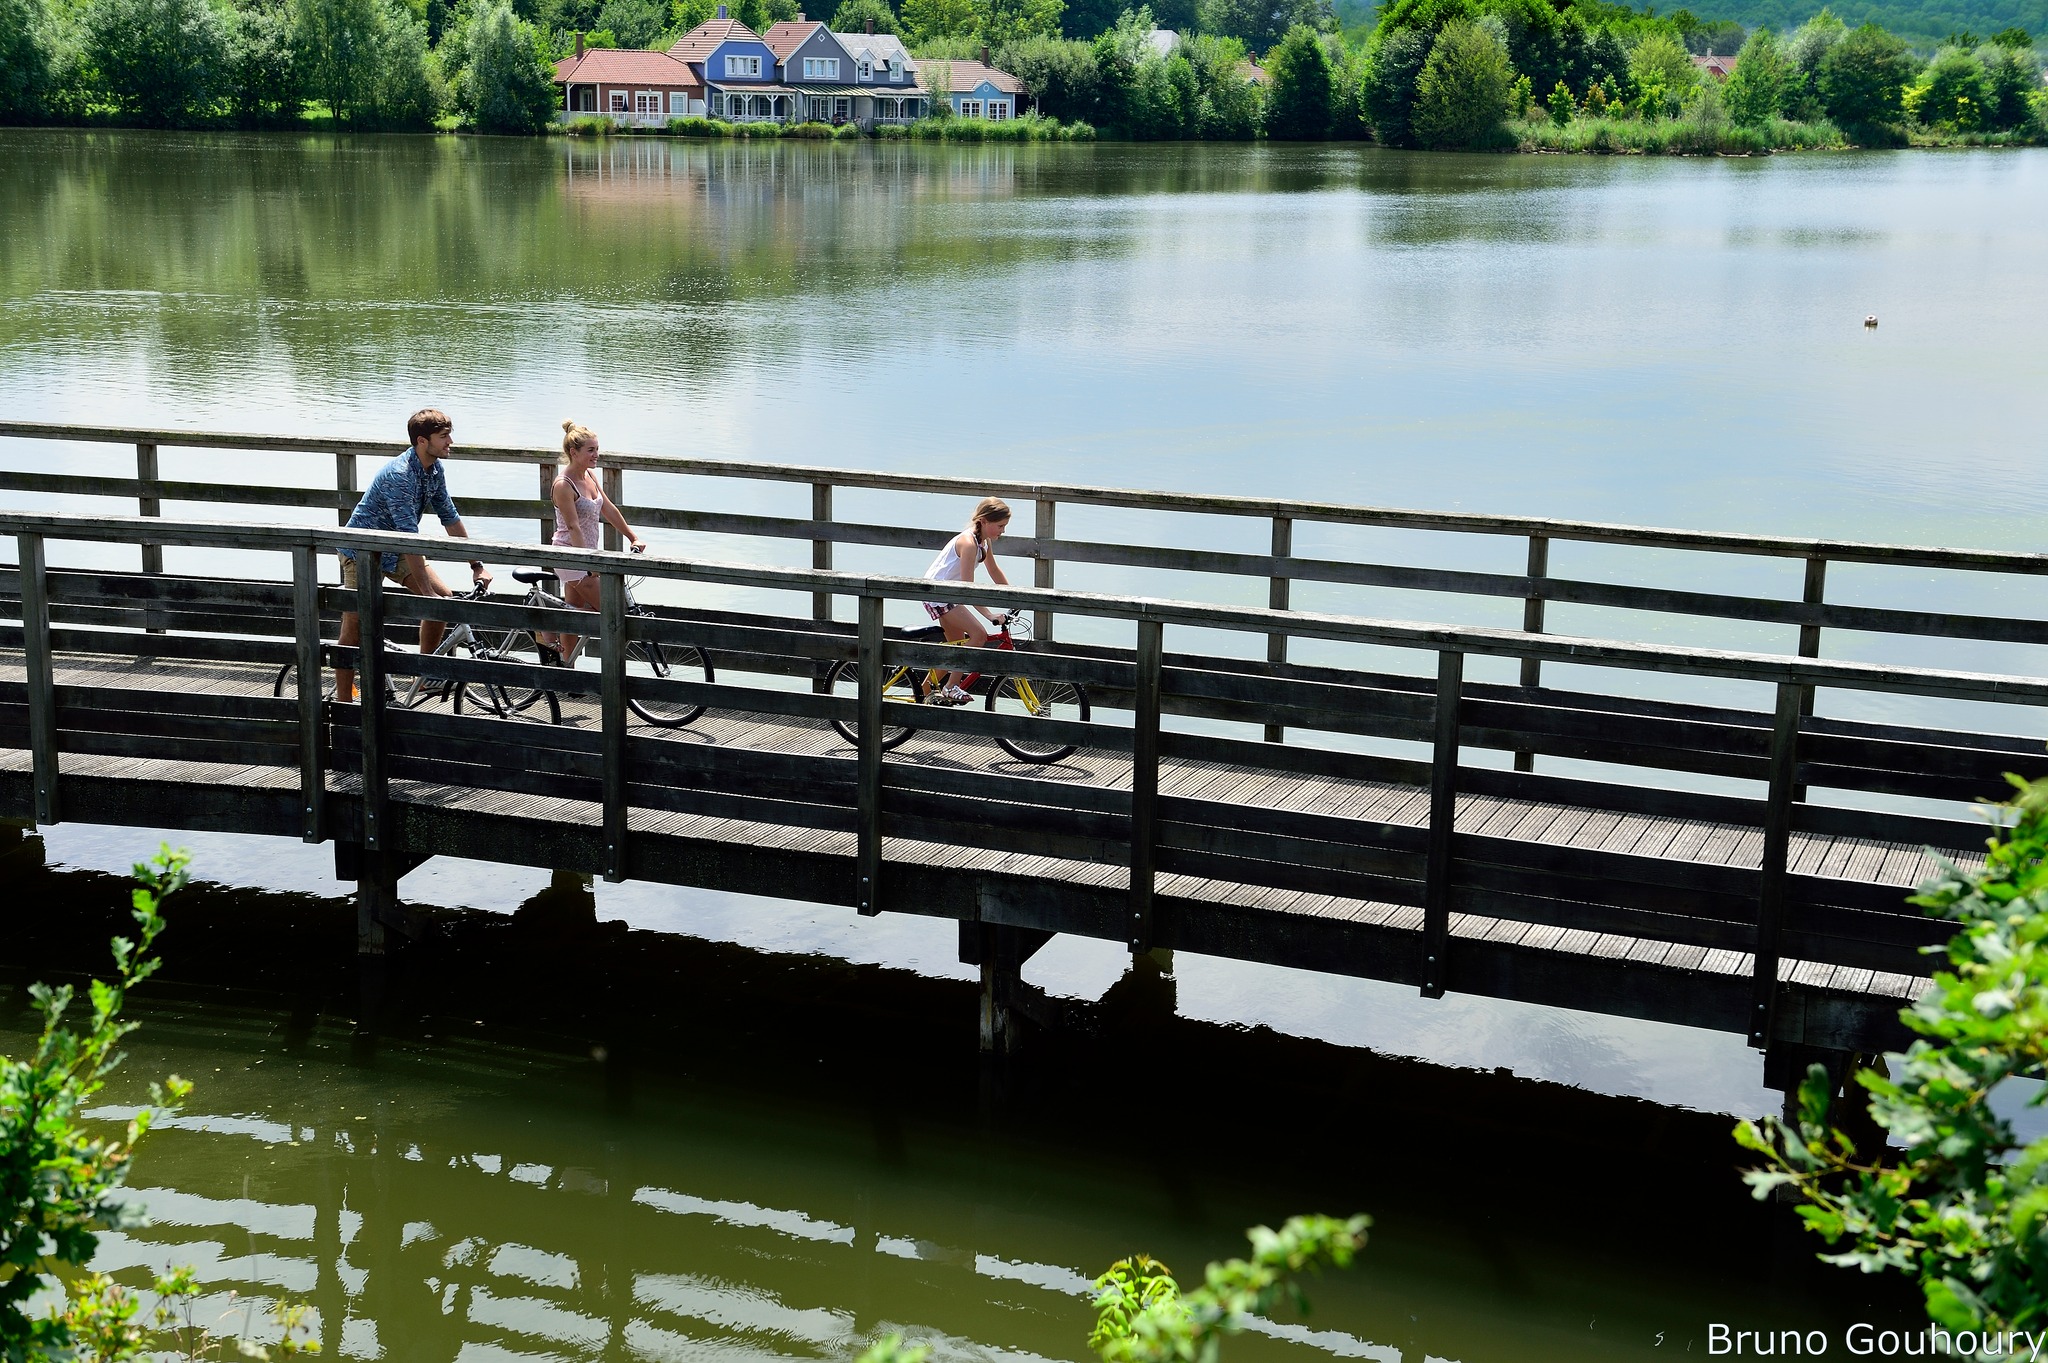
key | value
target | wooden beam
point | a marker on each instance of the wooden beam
(611, 588)
(1278, 592)
(345, 489)
(1151, 650)
(1532, 623)
(42, 692)
(613, 480)
(370, 670)
(821, 554)
(1443, 811)
(312, 753)
(547, 502)
(1045, 528)
(1777, 847)
(868, 778)
(148, 504)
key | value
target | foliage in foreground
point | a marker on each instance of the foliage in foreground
(60, 1184)
(1964, 1207)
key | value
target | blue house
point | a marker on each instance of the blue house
(741, 75)
(976, 89)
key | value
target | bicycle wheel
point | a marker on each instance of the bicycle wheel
(905, 684)
(287, 683)
(510, 701)
(680, 662)
(1037, 700)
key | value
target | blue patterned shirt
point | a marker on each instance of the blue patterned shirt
(398, 495)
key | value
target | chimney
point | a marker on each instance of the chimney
(579, 44)
(800, 16)
(871, 27)
(984, 57)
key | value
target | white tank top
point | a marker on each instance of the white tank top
(947, 567)
(587, 511)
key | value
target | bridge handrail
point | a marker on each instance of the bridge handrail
(1777, 546)
(1473, 639)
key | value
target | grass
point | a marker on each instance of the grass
(1031, 127)
(1672, 137)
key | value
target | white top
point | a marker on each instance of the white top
(948, 567)
(587, 513)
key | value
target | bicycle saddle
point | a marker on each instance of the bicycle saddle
(934, 633)
(532, 575)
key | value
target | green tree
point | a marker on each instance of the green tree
(1298, 97)
(1347, 87)
(160, 62)
(1607, 60)
(685, 15)
(1863, 80)
(341, 42)
(507, 86)
(1164, 99)
(1535, 38)
(261, 76)
(1060, 73)
(1663, 73)
(853, 16)
(1756, 88)
(59, 1184)
(1560, 105)
(1960, 1207)
(2011, 74)
(1118, 52)
(1142, 1316)
(409, 92)
(1261, 24)
(1805, 50)
(1392, 71)
(1009, 21)
(1463, 94)
(27, 39)
(1228, 106)
(1952, 92)
(2017, 38)
(927, 19)
(635, 23)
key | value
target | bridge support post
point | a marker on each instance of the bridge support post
(1770, 906)
(1443, 814)
(1279, 591)
(1001, 951)
(1785, 1067)
(380, 913)
(1145, 780)
(1045, 529)
(42, 681)
(1532, 623)
(868, 777)
(612, 735)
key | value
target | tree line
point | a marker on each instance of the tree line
(359, 64)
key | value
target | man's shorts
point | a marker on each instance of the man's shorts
(349, 579)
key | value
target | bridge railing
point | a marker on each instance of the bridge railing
(1807, 618)
(156, 667)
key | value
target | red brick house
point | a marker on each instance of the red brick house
(646, 88)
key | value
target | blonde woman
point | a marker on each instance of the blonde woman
(580, 508)
(956, 563)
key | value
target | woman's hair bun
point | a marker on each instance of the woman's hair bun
(568, 426)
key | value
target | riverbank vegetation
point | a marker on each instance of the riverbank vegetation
(1959, 1207)
(1591, 76)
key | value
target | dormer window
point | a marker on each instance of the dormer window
(867, 70)
(895, 69)
(742, 66)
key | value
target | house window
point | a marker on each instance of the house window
(895, 69)
(618, 101)
(998, 109)
(867, 69)
(678, 102)
(646, 103)
(742, 66)
(821, 68)
(970, 108)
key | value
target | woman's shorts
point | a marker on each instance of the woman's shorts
(568, 575)
(937, 609)
(349, 579)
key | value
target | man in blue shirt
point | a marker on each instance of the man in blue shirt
(400, 493)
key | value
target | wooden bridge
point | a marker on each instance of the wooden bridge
(1376, 812)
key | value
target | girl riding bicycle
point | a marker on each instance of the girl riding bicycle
(956, 563)
(580, 504)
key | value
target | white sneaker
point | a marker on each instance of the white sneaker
(950, 694)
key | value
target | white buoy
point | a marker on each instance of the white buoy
(1871, 321)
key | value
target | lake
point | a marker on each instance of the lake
(1670, 342)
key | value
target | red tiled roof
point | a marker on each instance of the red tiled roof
(787, 36)
(701, 41)
(1720, 66)
(624, 66)
(968, 74)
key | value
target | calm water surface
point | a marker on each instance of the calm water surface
(1667, 342)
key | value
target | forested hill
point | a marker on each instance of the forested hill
(1923, 23)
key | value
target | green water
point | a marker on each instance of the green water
(1667, 342)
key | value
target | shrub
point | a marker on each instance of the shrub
(1060, 73)
(1560, 105)
(160, 62)
(595, 125)
(2011, 73)
(1463, 94)
(1298, 99)
(409, 92)
(1164, 99)
(1952, 93)
(1863, 82)
(261, 78)
(508, 86)
(1227, 105)
(846, 132)
(1805, 50)
(1388, 94)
